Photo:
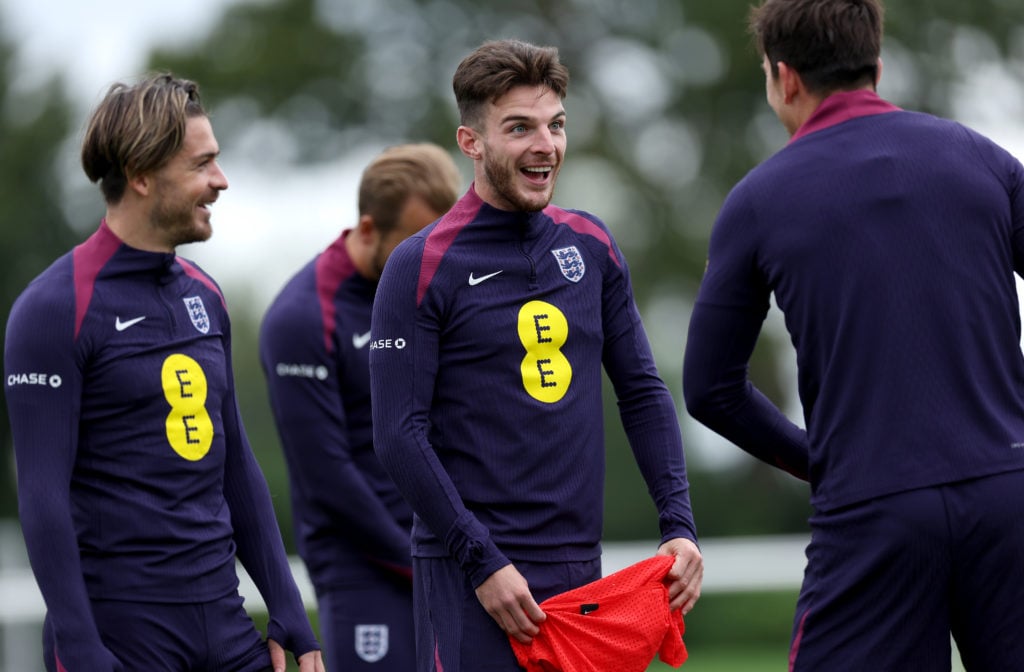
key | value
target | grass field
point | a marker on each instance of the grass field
(754, 659)
(750, 659)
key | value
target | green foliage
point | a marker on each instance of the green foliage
(284, 64)
(33, 229)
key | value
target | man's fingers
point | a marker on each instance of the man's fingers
(277, 656)
(521, 621)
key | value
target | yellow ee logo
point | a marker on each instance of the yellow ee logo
(189, 428)
(543, 331)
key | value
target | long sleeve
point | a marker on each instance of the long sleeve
(258, 537)
(727, 317)
(646, 407)
(312, 422)
(403, 367)
(719, 394)
(492, 332)
(44, 387)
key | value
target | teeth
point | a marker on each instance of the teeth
(546, 169)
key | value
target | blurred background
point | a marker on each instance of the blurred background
(666, 112)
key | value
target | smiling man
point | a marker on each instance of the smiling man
(491, 327)
(137, 488)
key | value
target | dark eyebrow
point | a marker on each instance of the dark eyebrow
(519, 118)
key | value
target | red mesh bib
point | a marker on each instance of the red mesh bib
(616, 623)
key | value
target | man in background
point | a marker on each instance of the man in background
(352, 525)
(889, 240)
(137, 487)
(491, 329)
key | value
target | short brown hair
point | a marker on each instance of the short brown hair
(419, 169)
(498, 66)
(136, 129)
(832, 44)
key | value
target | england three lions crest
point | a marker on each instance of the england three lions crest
(371, 642)
(570, 262)
(197, 313)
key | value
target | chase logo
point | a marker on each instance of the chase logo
(285, 370)
(388, 344)
(44, 379)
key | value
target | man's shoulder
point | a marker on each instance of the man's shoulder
(300, 288)
(295, 309)
(586, 229)
(45, 311)
(53, 287)
(196, 272)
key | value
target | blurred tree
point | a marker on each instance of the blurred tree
(666, 112)
(34, 231)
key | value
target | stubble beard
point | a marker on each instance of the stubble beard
(180, 223)
(503, 181)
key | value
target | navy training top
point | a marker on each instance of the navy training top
(890, 241)
(490, 329)
(351, 522)
(135, 478)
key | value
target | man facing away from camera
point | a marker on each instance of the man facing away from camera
(890, 240)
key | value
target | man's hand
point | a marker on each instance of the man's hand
(308, 662)
(507, 598)
(687, 574)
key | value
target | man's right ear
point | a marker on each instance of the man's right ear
(792, 83)
(365, 228)
(469, 142)
(139, 183)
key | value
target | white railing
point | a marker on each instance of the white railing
(731, 564)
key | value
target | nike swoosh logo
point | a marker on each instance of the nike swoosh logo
(121, 326)
(476, 281)
(359, 341)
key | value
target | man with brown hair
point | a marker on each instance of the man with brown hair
(890, 240)
(491, 329)
(137, 487)
(352, 525)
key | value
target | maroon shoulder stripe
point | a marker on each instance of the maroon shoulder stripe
(194, 272)
(87, 260)
(333, 267)
(441, 238)
(582, 225)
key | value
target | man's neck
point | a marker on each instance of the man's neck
(132, 228)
